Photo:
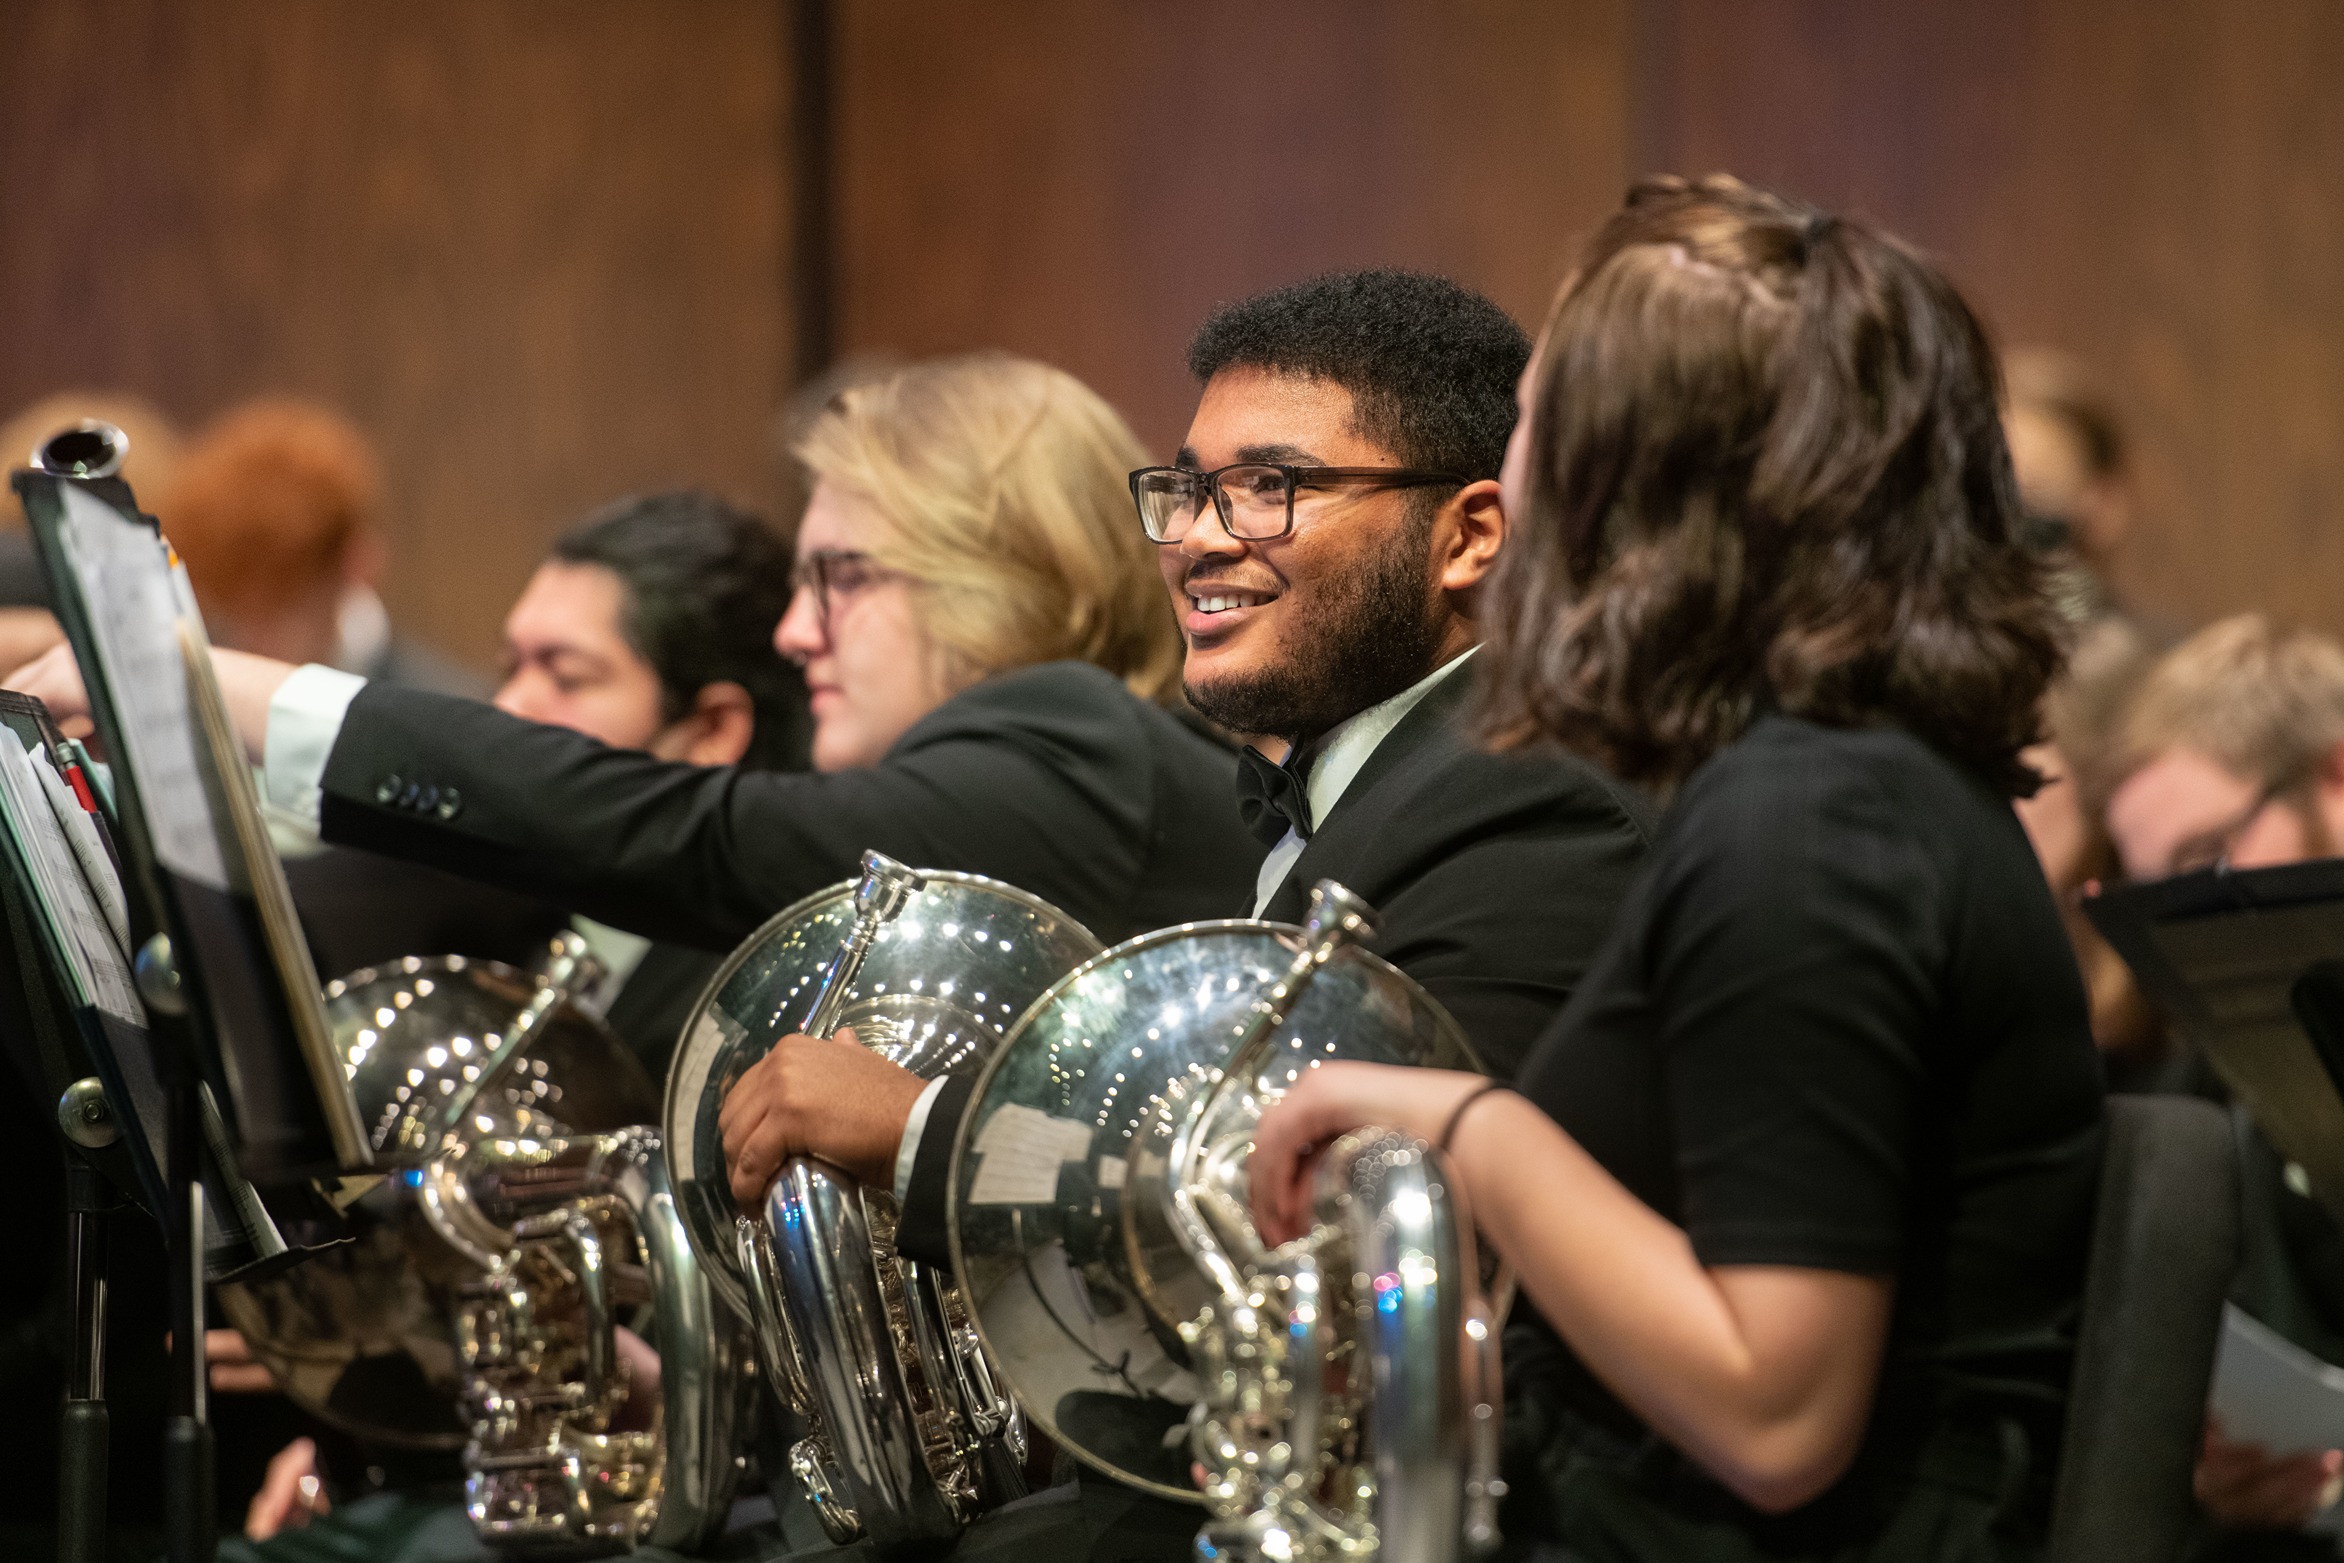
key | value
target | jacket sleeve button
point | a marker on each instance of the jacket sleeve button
(451, 803)
(409, 793)
(387, 789)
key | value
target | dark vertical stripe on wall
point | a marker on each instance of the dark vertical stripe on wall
(813, 241)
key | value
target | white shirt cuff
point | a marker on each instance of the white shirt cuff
(305, 718)
(909, 1151)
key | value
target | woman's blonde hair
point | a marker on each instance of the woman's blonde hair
(1004, 485)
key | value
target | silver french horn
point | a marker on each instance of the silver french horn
(1340, 1391)
(909, 1437)
(525, 1218)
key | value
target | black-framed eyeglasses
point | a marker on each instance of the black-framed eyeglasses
(836, 575)
(1255, 499)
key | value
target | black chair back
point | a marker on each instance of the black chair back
(2164, 1250)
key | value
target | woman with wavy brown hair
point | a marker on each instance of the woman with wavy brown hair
(1798, 1186)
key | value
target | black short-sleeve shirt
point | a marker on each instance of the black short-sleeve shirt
(1838, 1026)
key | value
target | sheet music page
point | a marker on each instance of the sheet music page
(2269, 1391)
(133, 607)
(89, 850)
(94, 963)
(25, 818)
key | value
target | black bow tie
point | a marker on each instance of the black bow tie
(1271, 799)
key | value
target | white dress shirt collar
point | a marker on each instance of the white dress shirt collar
(1342, 755)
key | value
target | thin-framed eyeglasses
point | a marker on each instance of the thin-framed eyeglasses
(1255, 499)
(835, 576)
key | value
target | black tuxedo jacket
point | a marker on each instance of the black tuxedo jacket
(1054, 778)
(1496, 878)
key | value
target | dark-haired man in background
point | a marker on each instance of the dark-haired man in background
(650, 626)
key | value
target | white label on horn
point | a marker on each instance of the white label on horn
(1021, 1150)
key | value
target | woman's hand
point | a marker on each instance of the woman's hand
(2245, 1487)
(826, 1097)
(1331, 1100)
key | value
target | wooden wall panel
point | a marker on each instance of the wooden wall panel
(534, 247)
(538, 247)
(1084, 182)
(2159, 189)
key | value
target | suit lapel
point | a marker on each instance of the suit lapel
(1334, 846)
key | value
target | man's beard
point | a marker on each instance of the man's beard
(1366, 636)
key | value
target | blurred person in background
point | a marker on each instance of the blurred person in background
(2232, 753)
(2066, 823)
(27, 628)
(651, 627)
(276, 508)
(2068, 450)
(2070, 455)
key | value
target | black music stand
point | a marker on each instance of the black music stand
(38, 1033)
(249, 1085)
(2249, 967)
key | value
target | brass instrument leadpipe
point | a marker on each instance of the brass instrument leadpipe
(1338, 919)
(819, 1304)
(1389, 1195)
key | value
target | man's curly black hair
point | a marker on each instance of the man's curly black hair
(1430, 366)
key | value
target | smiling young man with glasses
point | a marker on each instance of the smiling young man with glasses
(1325, 532)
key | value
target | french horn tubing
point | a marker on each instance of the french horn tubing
(1333, 1387)
(525, 1218)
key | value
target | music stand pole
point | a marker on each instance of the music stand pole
(83, 1426)
(190, 1534)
